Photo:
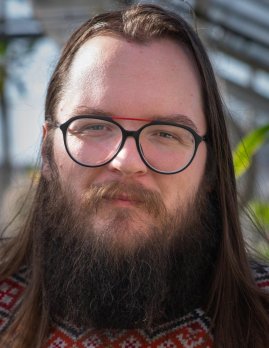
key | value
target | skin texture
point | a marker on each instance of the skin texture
(143, 81)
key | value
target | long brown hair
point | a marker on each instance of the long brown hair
(237, 307)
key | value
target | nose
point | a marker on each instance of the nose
(128, 161)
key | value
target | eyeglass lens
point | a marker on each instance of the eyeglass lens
(94, 142)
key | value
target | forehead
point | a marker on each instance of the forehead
(133, 80)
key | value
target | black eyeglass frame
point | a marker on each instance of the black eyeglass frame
(127, 133)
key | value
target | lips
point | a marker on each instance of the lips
(122, 197)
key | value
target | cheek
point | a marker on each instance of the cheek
(179, 188)
(65, 164)
(67, 168)
(72, 175)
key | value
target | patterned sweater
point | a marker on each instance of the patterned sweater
(190, 331)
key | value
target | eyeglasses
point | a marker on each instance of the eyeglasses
(165, 147)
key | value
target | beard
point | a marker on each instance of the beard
(93, 280)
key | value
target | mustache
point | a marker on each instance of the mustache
(144, 198)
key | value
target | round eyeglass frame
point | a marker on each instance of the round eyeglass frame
(127, 133)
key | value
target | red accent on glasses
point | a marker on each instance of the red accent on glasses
(130, 118)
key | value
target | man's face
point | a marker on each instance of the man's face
(119, 78)
(113, 238)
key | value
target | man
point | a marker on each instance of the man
(133, 239)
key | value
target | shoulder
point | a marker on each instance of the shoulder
(260, 271)
(11, 291)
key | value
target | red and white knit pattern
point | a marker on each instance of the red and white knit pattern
(190, 331)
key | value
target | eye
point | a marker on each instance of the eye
(90, 128)
(94, 127)
(166, 135)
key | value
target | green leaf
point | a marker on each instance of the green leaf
(3, 47)
(261, 212)
(246, 149)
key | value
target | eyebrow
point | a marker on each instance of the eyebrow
(175, 118)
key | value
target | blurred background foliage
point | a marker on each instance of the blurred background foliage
(32, 33)
(243, 156)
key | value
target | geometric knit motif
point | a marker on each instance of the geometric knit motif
(11, 290)
(190, 331)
